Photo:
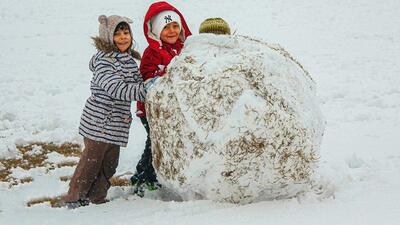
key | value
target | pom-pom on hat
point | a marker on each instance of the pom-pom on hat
(163, 18)
(215, 26)
(107, 26)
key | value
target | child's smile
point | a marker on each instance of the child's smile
(122, 39)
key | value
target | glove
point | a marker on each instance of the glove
(161, 70)
(148, 83)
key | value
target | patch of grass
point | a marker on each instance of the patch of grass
(65, 178)
(24, 180)
(51, 200)
(33, 159)
(66, 164)
(7, 165)
(118, 181)
(66, 149)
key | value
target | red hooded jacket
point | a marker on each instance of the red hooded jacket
(158, 54)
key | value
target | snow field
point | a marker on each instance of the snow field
(350, 47)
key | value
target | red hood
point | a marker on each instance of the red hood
(153, 10)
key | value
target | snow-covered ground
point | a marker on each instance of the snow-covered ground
(351, 48)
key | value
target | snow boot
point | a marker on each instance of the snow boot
(152, 186)
(138, 190)
(77, 204)
(71, 205)
(141, 183)
(138, 178)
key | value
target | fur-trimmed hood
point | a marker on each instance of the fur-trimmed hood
(106, 47)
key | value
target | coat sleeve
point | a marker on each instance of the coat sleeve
(151, 64)
(107, 78)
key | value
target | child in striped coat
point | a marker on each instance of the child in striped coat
(106, 117)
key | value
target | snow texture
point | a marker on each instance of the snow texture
(57, 158)
(235, 119)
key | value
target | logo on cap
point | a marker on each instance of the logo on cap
(168, 19)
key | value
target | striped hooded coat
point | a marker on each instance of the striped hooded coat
(115, 84)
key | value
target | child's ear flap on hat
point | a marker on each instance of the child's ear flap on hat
(103, 19)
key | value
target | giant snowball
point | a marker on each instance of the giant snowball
(234, 119)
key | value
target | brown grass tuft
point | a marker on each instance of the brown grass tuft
(65, 178)
(29, 160)
(66, 164)
(38, 201)
(26, 180)
(66, 149)
(51, 200)
(117, 181)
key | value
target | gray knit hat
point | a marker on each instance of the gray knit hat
(107, 26)
(215, 26)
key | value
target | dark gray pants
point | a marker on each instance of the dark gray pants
(145, 164)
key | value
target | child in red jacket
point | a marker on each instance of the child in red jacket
(166, 30)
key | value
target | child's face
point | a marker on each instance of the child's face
(122, 39)
(170, 33)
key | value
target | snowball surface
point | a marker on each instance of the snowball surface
(234, 119)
